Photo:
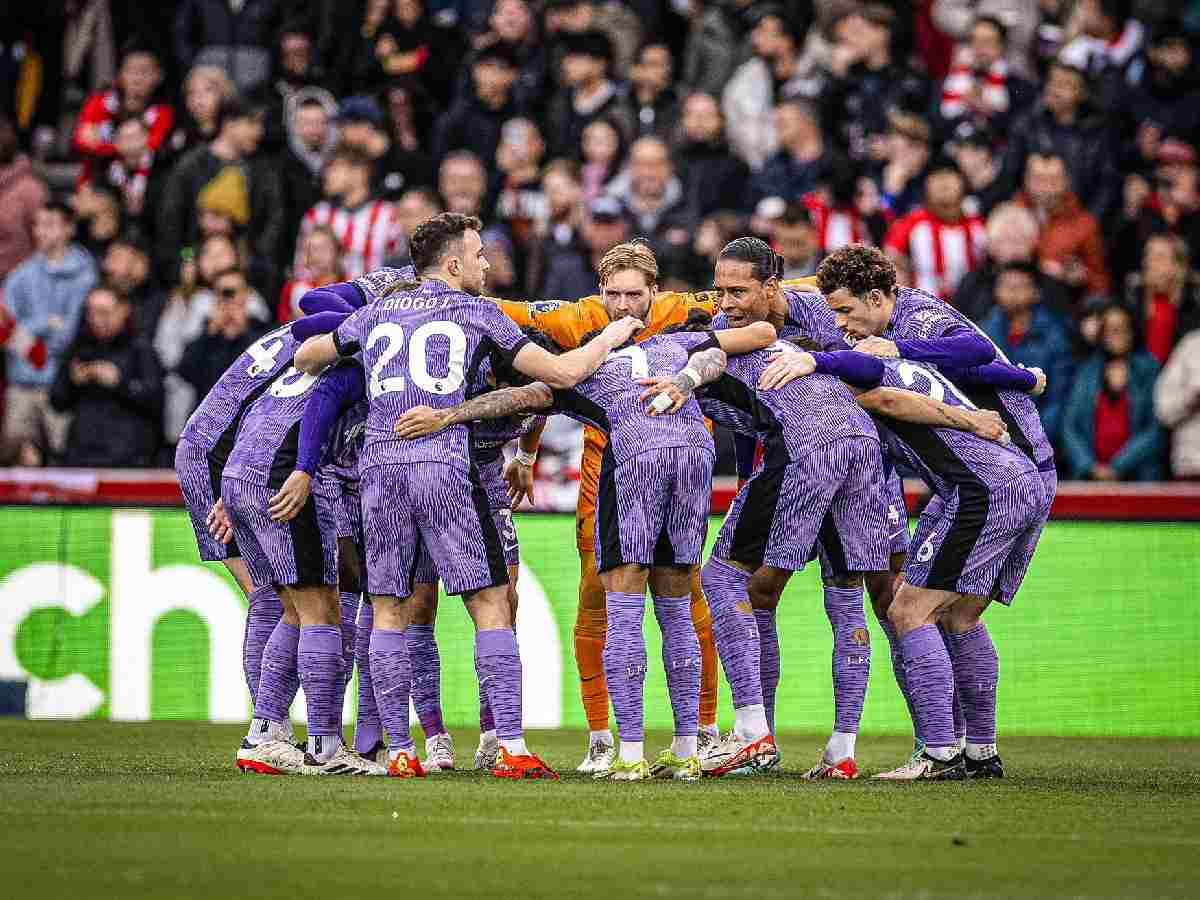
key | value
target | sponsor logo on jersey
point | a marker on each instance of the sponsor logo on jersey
(541, 307)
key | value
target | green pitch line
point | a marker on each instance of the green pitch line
(151, 811)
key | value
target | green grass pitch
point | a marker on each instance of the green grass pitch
(95, 809)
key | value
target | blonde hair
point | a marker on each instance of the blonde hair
(635, 255)
(1014, 214)
(214, 75)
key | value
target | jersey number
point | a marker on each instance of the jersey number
(392, 336)
(292, 383)
(264, 352)
(938, 384)
(639, 365)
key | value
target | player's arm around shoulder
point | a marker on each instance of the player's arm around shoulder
(909, 406)
(746, 339)
(315, 354)
(421, 421)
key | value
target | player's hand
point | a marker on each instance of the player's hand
(106, 374)
(219, 525)
(987, 424)
(618, 332)
(877, 346)
(520, 482)
(1040, 388)
(419, 422)
(662, 387)
(785, 367)
(286, 504)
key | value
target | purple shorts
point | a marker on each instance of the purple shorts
(346, 504)
(981, 540)
(200, 485)
(653, 508)
(831, 499)
(300, 552)
(435, 507)
(897, 515)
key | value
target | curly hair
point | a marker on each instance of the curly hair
(431, 240)
(635, 255)
(858, 268)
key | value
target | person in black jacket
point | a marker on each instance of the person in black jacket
(474, 123)
(230, 331)
(234, 36)
(713, 178)
(112, 382)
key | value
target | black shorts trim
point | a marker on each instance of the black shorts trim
(753, 530)
(608, 526)
(307, 547)
(969, 520)
(830, 540)
(493, 544)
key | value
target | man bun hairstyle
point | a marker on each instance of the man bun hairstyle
(636, 255)
(432, 239)
(859, 269)
(765, 262)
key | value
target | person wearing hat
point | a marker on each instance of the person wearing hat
(586, 93)
(474, 122)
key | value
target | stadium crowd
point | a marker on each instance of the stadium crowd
(174, 179)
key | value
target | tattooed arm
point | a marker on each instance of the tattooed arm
(703, 367)
(423, 420)
(909, 406)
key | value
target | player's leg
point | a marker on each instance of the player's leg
(368, 731)
(881, 586)
(702, 624)
(591, 623)
(625, 666)
(488, 751)
(427, 672)
(681, 656)
(766, 588)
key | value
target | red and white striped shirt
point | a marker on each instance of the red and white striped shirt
(940, 252)
(369, 235)
(836, 226)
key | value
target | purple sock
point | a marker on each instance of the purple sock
(280, 680)
(426, 678)
(931, 684)
(960, 721)
(262, 616)
(898, 668)
(976, 671)
(734, 630)
(391, 676)
(625, 662)
(498, 665)
(768, 660)
(349, 605)
(319, 658)
(367, 730)
(681, 660)
(851, 655)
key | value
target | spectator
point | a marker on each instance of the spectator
(21, 194)
(512, 23)
(748, 99)
(602, 151)
(474, 122)
(906, 151)
(520, 203)
(655, 103)
(653, 194)
(941, 243)
(45, 295)
(255, 181)
(296, 69)
(232, 36)
(1020, 18)
(570, 275)
(713, 178)
(98, 212)
(126, 268)
(795, 239)
(502, 278)
(1103, 37)
(1109, 429)
(401, 154)
(981, 87)
(559, 233)
(868, 81)
(321, 262)
(1070, 248)
(311, 139)
(417, 206)
(710, 238)
(229, 331)
(846, 209)
(402, 40)
(971, 148)
(1031, 333)
(1064, 123)
(111, 381)
(621, 26)
(134, 174)
(587, 93)
(204, 92)
(1172, 204)
(1166, 292)
(802, 161)
(1177, 404)
(134, 94)
(711, 50)
(1162, 99)
(366, 226)
(462, 183)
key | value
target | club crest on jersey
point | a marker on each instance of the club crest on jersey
(541, 307)
(926, 320)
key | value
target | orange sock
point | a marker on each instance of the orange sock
(708, 654)
(591, 625)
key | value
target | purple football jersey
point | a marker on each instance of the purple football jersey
(423, 348)
(923, 316)
(214, 424)
(945, 457)
(372, 284)
(610, 398)
(1020, 414)
(345, 446)
(808, 316)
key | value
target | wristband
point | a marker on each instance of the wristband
(661, 403)
(691, 374)
(525, 459)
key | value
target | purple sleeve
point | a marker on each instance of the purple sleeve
(858, 369)
(338, 388)
(1002, 375)
(502, 331)
(958, 351)
(346, 338)
(317, 323)
(342, 297)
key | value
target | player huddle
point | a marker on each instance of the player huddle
(346, 464)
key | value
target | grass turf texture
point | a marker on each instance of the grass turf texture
(116, 810)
